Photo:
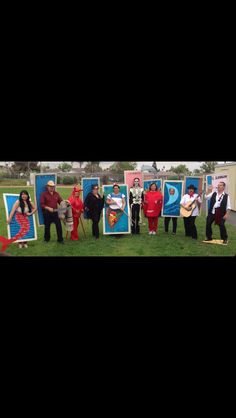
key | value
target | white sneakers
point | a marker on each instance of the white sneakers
(152, 233)
(23, 246)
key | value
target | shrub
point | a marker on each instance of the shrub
(68, 180)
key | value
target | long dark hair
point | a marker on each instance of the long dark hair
(22, 205)
(152, 185)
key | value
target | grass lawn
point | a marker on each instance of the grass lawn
(14, 182)
(126, 245)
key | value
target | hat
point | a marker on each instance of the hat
(191, 186)
(51, 183)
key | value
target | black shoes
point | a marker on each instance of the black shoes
(208, 239)
(225, 242)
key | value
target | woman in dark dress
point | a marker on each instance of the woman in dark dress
(93, 205)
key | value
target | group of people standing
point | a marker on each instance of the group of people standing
(150, 201)
(93, 205)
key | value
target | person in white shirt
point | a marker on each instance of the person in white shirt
(189, 223)
(219, 211)
(117, 203)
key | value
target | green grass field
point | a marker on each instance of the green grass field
(139, 245)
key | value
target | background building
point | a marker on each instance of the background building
(230, 170)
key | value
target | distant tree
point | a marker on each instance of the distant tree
(121, 166)
(65, 167)
(80, 163)
(181, 170)
(92, 167)
(196, 172)
(208, 166)
(25, 166)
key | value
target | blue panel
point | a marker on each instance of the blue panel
(14, 225)
(208, 183)
(122, 225)
(147, 183)
(87, 188)
(195, 181)
(40, 187)
(172, 198)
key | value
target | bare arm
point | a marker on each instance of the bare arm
(15, 206)
(33, 210)
(123, 203)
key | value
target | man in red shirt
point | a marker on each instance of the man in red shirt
(49, 201)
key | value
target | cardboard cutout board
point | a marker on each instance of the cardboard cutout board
(14, 228)
(130, 175)
(214, 180)
(87, 184)
(172, 190)
(121, 220)
(40, 182)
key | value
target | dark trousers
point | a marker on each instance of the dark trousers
(223, 232)
(190, 227)
(95, 226)
(174, 222)
(135, 229)
(50, 218)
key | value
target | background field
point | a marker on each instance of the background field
(141, 245)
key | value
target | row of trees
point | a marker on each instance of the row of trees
(120, 166)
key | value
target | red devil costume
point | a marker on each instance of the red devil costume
(152, 208)
(77, 209)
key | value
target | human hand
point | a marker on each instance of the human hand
(225, 217)
(8, 221)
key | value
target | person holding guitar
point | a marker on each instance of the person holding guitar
(190, 209)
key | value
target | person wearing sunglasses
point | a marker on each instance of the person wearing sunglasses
(93, 205)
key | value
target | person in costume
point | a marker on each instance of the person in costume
(24, 207)
(117, 203)
(168, 219)
(189, 223)
(153, 201)
(49, 202)
(219, 211)
(77, 209)
(136, 198)
(93, 205)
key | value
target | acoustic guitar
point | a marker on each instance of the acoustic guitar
(189, 208)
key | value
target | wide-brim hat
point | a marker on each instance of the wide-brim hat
(51, 183)
(192, 187)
